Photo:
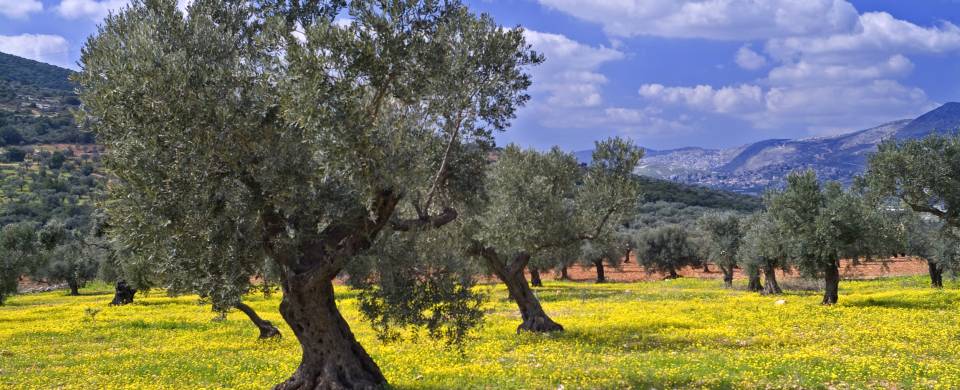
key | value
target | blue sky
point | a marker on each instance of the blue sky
(669, 73)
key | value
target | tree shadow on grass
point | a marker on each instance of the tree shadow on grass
(925, 303)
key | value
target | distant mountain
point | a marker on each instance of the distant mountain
(755, 167)
(35, 104)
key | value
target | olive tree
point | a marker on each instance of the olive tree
(666, 249)
(764, 250)
(242, 130)
(18, 251)
(538, 201)
(721, 239)
(63, 257)
(823, 224)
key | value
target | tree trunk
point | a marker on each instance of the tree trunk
(74, 287)
(727, 276)
(754, 283)
(626, 256)
(601, 278)
(936, 274)
(534, 318)
(563, 274)
(706, 267)
(123, 294)
(535, 277)
(770, 287)
(831, 287)
(672, 273)
(267, 330)
(332, 357)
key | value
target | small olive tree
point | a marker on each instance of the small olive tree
(721, 235)
(18, 254)
(764, 250)
(666, 249)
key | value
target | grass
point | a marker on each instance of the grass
(688, 333)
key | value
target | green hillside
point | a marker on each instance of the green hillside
(35, 104)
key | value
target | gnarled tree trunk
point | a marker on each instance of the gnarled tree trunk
(332, 357)
(831, 287)
(727, 275)
(754, 281)
(534, 318)
(601, 277)
(770, 287)
(936, 274)
(267, 330)
(535, 280)
(123, 294)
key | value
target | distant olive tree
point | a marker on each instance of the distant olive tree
(238, 131)
(18, 252)
(666, 250)
(63, 257)
(764, 250)
(721, 236)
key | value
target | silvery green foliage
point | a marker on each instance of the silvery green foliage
(18, 255)
(665, 249)
(238, 131)
(923, 174)
(64, 256)
(824, 224)
(763, 244)
(722, 233)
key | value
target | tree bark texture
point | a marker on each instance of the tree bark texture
(601, 277)
(831, 286)
(535, 319)
(267, 330)
(123, 294)
(770, 286)
(332, 358)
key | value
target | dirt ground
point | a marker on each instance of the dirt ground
(631, 272)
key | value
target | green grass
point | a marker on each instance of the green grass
(891, 333)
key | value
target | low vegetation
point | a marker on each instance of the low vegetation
(675, 333)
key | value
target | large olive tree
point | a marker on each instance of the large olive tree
(240, 130)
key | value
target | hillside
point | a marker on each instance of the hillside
(35, 104)
(753, 168)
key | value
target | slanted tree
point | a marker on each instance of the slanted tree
(665, 249)
(722, 233)
(764, 250)
(826, 224)
(241, 130)
(923, 174)
(535, 203)
(18, 252)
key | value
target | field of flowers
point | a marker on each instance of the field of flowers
(688, 333)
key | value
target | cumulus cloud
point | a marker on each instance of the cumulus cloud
(569, 75)
(89, 9)
(714, 19)
(19, 9)
(811, 72)
(749, 59)
(743, 98)
(51, 49)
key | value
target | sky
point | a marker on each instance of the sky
(668, 73)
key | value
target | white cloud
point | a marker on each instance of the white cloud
(749, 59)
(51, 49)
(807, 73)
(90, 9)
(569, 74)
(743, 98)
(19, 9)
(714, 19)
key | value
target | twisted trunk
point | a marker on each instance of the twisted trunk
(727, 275)
(123, 294)
(535, 280)
(332, 358)
(601, 277)
(535, 319)
(267, 330)
(754, 283)
(831, 287)
(770, 287)
(936, 274)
